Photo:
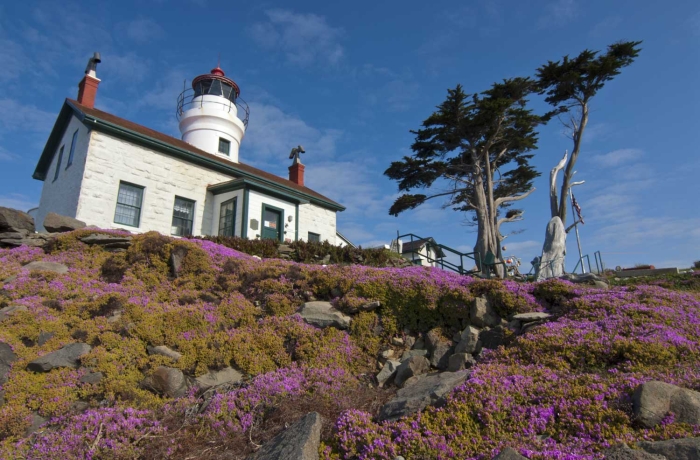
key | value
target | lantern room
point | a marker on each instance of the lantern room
(212, 116)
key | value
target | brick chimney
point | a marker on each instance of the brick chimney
(87, 91)
(296, 173)
(87, 88)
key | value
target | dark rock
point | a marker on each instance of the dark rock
(212, 379)
(2, 398)
(46, 266)
(509, 454)
(469, 341)
(674, 449)
(103, 238)
(387, 372)
(92, 378)
(492, 338)
(177, 257)
(623, 452)
(369, 306)
(162, 350)
(415, 365)
(167, 381)
(420, 392)
(115, 247)
(12, 220)
(298, 442)
(68, 356)
(323, 314)
(14, 235)
(79, 406)
(439, 349)
(10, 309)
(44, 337)
(7, 357)
(583, 278)
(482, 313)
(31, 242)
(56, 223)
(460, 361)
(285, 249)
(653, 400)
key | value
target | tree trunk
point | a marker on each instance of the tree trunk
(569, 173)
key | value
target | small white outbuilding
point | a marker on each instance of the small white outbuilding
(113, 173)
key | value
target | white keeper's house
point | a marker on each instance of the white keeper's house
(113, 173)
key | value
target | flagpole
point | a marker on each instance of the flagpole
(578, 238)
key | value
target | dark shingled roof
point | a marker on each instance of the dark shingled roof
(45, 160)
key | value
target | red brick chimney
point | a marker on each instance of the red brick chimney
(296, 173)
(87, 91)
(87, 88)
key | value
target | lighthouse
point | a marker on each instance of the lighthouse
(211, 115)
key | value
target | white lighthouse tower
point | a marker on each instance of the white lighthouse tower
(209, 115)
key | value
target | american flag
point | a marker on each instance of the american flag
(574, 203)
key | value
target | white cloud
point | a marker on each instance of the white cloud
(6, 155)
(142, 30)
(15, 116)
(617, 157)
(558, 13)
(18, 201)
(272, 133)
(304, 39)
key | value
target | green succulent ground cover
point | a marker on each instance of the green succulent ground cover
(560, 391)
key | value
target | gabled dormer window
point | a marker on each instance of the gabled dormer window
(58, 163)
(72, 149)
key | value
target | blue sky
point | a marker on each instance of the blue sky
(349, 80)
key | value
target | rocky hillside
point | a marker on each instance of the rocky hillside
(116, 346)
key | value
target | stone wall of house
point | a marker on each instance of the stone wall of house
(62, 195)
(112, 160)
(319, 220)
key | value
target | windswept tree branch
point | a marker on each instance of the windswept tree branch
(568, 229)
(506, 199)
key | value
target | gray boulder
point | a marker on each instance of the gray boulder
(37, 422)
(92, 378)
(420, 392)
(674, 449)
(162, 350)
(323, 314)
(532, 316)
(553, 251)
(460, 361)
(298, 442)
(653, 400)
(482, 313)
(624, 452)
(44, 337)
(177, 257)
(12, 220)
(387, 372)
(215, 378)
(103, 239)
(56, 223)
(167, 381)
(9, 310)
(582, 278)
(469, 341)
(68, 356)
(415, 365)
(509, 454)
(408, 353)
(39, 266)
(7, 357)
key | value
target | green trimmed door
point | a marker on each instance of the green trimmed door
(272, 223)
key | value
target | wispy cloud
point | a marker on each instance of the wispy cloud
(304, 39)
(605, 26)
(617, 157)
(18, 201)
(558, 13)
(141, 30)
(125, 68)
(15, 116)
(6, 155)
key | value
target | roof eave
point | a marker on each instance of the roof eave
(64, 116)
